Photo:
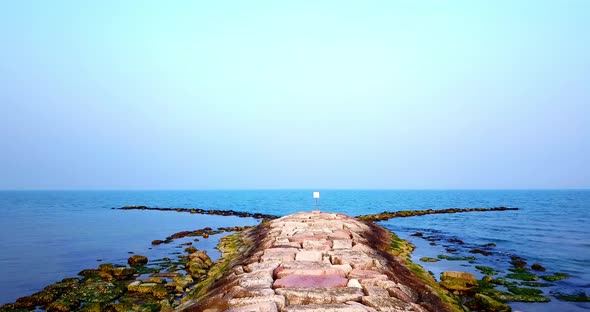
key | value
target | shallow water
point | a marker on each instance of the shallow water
(48, 235)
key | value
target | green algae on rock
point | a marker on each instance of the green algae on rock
(486, 270)
(428, 259)
(458, 282)
(386, 215)
(482, 302)
(555, 277)
(523, 276)
(450, 258)
(509, 297)
(579, 296)
(239, 214)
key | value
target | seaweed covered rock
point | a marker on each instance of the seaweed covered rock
(458, 282)
(487, 304)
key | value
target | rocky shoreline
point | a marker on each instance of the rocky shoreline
(193, 282)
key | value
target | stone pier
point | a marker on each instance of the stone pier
(315, 261)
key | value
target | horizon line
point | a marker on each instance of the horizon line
(284, 189)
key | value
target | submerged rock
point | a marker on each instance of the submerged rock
(555, 277)
(523, 276)
(486, 303)
(538, 267)
(575, 297)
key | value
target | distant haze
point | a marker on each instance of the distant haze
(294, 94)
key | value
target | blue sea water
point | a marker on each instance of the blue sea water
(49, 235)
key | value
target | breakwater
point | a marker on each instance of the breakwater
(386, 215)
(382, 216)
(313, 261)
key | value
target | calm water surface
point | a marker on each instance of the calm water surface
(48, 235)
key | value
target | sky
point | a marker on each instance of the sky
(294, 94)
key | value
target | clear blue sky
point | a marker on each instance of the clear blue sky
(294, 94)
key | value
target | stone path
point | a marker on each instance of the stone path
(314, 261)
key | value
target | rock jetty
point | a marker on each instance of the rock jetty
(315, 261)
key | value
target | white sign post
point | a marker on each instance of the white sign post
(316, 196)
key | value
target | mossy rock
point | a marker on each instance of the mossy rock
(480, 251)
(458, 281)
(468, 258)
(523, 276)
(535, 284)
(484, 283)
(509, 297)
(555, 277)
(91, 307)
(519, 270)
(575, 297)
(428, 259)
(524, 291)
(500, 281)
(123, 273)
(157, 290)
(118, 307)
(485, 303)
(147, 307)
(486, 270)
(9, 307)
(106, 267)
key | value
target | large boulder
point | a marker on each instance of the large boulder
(458, 282)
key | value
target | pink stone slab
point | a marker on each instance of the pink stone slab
(297, 281)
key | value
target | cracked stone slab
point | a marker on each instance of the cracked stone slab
(295, 296)
(298, 281)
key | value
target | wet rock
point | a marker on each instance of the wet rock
(479, 251)
(486, 303)
(137, 260)
(418, 234)
(428, 259)
(28, 302)
(123, 273)
(88, 272)
(555, 277)
(157, 242)
(445, 257)
(156, 290)
(486, 270)
(459, 282)
(579, 296)
(517, 262)
(183, 281)
(106, 267)
(523, 276)
(538, 267)
(190, 249)
(508, 297)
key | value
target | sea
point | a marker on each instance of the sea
(46, 236)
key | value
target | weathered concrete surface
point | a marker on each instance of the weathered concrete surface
(313, 261)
